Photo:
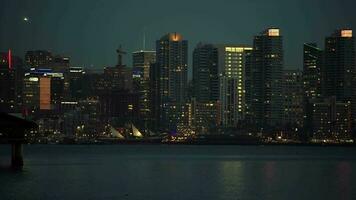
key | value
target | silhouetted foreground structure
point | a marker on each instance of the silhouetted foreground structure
(12, 131)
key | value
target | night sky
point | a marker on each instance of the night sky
(89, 31)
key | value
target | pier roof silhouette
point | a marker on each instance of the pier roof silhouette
(13, 128)
(12, 131)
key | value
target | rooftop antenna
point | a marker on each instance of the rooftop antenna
(144, 38)
(120, 52)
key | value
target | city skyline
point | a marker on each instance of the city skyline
(104, 31)
(239, 89)
(178, 99)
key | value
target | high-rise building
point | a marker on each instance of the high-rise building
(172, 62)
(331, 120)
(10, 82)
(43, 90)
(116, 97)
(83, 114)
(121, 105)
(205, 73)
(266, 78)
(293, 99)
(313, 79)
(78, 87)
(248, 87)
(141, 62)
(232, 88)
(11, 77)
(155, 97)
(7, 84)
(38, 58)
(118, 77)
(312, 74)
(205, 87)
(60, 64)
(339, 67)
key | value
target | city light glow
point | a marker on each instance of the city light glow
(9, 59)
(273, 32)
(346, 33)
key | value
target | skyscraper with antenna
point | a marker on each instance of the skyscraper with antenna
(141, 62)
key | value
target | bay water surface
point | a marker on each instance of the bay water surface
(164, 172)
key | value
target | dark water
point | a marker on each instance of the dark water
(180, 172)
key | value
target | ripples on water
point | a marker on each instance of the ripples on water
(180, 172)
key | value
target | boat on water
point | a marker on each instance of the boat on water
(130, 135)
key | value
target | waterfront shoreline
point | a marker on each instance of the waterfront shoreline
(198, 144)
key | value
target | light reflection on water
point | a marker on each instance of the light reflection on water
(180, 172)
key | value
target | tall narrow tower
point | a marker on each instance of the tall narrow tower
(340, 69)
(141, 63)
(232, 88)
(172, 62)
(266, 75)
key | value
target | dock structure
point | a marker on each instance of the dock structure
(12, 131)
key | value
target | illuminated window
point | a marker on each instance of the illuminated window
(273, 32)
(346, 33)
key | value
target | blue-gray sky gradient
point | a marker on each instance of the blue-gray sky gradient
(89, 31)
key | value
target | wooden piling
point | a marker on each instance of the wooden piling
(17, 155)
